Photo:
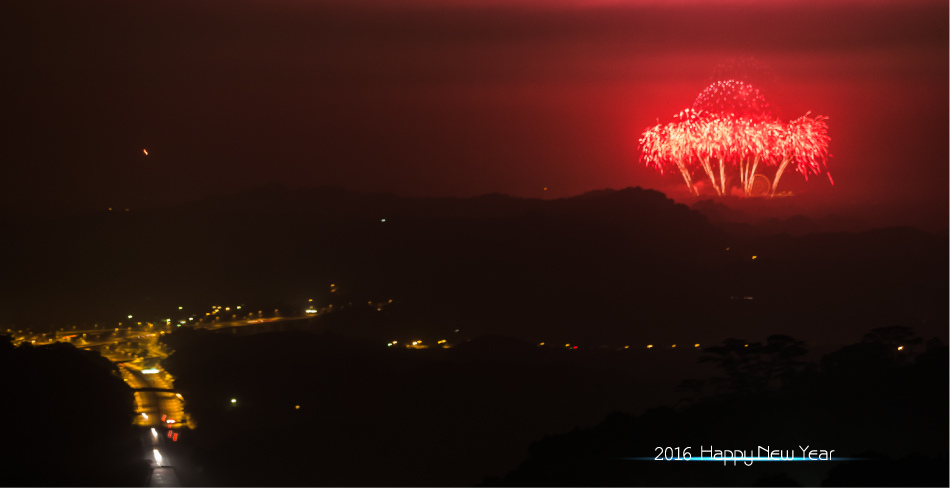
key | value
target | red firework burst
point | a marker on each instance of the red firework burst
(730, 126)
(733, 97)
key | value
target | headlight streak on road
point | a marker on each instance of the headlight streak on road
(158, 398)
(158, 456)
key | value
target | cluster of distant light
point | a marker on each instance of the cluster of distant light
(730, 126)
(648, 346)
(418, 344)
(217, 309)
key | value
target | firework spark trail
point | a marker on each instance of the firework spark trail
(805, 143)
(730, 124)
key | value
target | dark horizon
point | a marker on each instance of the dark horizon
(927, 214)
(616, 260)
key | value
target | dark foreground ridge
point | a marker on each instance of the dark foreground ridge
(316, 409)
(68, 419)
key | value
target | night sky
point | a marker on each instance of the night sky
(449, 98)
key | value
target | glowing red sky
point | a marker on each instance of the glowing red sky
(446, 98)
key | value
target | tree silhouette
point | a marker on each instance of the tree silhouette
(755, 367)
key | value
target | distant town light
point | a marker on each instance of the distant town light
(674, 345)
(234, 400)
(130, 316)
(754, 257)
(382, 220)
(649, 346)
(149, 371)
(900, 348)
(296, 407)
(179, 308)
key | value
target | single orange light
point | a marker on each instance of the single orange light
(145, 151)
